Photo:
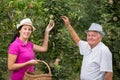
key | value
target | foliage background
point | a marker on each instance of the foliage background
(61, 47)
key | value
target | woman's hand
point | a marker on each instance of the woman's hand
(33, 62)
(44, 46)
(50, 25)
(12, 65)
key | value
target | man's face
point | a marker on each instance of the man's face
(93, 38)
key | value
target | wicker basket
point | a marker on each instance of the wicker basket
(47, 76)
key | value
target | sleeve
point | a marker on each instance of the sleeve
(82, 47)
(31, 44)
(13, 49)
(106, 61)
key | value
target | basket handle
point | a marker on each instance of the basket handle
(47, 66)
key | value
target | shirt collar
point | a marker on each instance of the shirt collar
(93, 49)
(20, 42)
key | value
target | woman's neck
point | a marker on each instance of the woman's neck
(24, 40)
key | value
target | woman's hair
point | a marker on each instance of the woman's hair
(16, 34)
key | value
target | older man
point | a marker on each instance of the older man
(97, 58)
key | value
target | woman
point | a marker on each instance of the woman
(21, 50)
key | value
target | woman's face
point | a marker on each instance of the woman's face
(25, 31)
(93, 38)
